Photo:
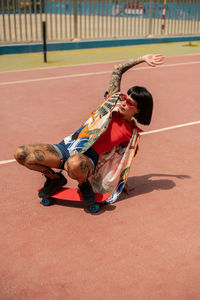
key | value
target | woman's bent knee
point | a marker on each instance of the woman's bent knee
(79, 167)
(25, 155)
(21, 155)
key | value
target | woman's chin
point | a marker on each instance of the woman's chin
(122, 111)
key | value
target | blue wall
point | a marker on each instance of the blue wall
(177, 11)
(25, 48)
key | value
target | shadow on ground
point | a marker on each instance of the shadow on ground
(190, 44)
(80, 205)
(139, 185)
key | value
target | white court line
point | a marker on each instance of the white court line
(2, 162)
(142, 133)
(87, 64)
(171, 127)
(93, 73)
(54, 78)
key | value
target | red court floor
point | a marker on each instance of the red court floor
(144, 246)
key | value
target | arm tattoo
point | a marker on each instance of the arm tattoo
(115, 82)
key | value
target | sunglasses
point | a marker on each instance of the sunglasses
(128, 101)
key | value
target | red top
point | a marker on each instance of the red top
(119, 132)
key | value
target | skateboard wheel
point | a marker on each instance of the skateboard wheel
(46, 201)
(94, 208)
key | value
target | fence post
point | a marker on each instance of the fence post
(163, 17)
(75, 19)
(44, 41)
(150, 17)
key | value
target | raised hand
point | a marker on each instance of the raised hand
(153, 59)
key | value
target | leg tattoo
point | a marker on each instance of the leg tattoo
(22, 155)
(85, 168)
(44, 170)
(39, 155)
(52, 150)
(79, 167)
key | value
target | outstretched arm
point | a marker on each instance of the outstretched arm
(115, 82)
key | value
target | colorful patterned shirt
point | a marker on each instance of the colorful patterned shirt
(114, 165)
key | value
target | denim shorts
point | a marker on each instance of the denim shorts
(64, 154)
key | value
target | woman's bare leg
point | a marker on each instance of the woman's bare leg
(79, 167)
(42, 158)
(39, 157)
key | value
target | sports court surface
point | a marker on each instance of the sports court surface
(144, 246)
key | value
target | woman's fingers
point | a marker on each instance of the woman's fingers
(159, 62)
(154, 59)
(158, 59)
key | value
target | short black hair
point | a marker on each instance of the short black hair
(144, 101)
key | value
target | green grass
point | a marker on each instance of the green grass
(72, 57)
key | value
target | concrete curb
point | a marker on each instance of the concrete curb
(74, 45)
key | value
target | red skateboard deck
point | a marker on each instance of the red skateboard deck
(74, 195)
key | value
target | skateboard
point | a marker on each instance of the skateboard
(69, 194)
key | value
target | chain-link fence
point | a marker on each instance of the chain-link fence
(20, 20)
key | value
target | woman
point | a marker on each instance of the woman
(103, 148)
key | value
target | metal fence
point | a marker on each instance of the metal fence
(20, 20)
